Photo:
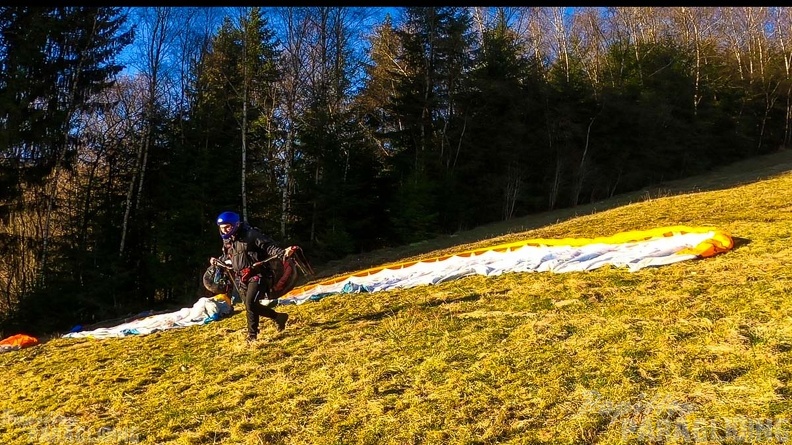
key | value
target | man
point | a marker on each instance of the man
(250, 253)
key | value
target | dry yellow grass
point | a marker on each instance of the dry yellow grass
(694, 352)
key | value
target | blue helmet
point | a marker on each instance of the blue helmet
(228, 218)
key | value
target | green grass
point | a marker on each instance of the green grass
(693, 352)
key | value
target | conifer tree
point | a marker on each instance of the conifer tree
(56, 59)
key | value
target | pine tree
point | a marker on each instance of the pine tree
(436, 44)
(55, 61)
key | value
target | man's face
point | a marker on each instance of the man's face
(226, 228)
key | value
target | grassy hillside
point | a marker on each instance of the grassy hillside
(694, 352)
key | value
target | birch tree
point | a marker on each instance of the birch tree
(745, 29)
(159, 31)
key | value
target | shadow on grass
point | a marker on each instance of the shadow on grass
(372, 316)
(740, 242)
(391, 311)
(439, 302)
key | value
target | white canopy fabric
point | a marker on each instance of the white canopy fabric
(634, 250)
(204, 310)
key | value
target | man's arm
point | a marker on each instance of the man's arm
(268, 246)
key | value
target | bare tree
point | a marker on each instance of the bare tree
(782, 17)
(296, 25)
(325, 68)
(591, 44)
(561, 26)
(695, 28)
(484, 18)
(746, 30)
(159, 31)
(636, 26)
(530, 26)
(245, 26)
(17, 277)
(511, 190)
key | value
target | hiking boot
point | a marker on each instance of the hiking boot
(280, 320)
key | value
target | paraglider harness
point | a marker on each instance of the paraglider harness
(281, 273)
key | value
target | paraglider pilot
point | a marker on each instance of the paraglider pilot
(249, 253)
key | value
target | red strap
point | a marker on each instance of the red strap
(287, 271)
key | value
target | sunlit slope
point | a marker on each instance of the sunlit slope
(605, 356)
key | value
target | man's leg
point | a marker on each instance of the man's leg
(252, 311)
(279, 318)
(255, 310)
(266, 281)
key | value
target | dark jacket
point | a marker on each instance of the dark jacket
(249, 246)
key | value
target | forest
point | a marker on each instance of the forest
(124, 132)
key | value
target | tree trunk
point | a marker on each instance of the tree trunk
(244, 143)
(581, 176)
(53, 186)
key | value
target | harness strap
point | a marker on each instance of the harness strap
(287, 273)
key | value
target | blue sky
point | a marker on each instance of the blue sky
(129, 55)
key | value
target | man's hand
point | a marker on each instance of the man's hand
(289, 251)
(217, 262)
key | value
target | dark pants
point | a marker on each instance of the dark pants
(256, 291)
